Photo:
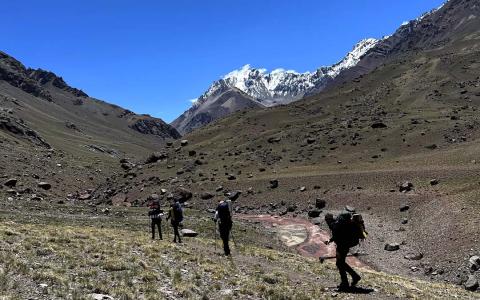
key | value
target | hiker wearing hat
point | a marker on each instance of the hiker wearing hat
(347, 231)
(155, 214)
(223, 215)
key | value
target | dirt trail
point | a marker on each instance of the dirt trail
(307, 238)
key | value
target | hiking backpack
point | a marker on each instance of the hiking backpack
(348, 229)
(224, 214)
(177, 212)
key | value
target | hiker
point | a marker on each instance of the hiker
(155, 214)
(175, 214)
(223, 215)
(347, 230)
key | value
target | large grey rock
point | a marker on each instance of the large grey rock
(392, 246)
(471, 284)
(44, 185)
(12, 182)
(474, 263)
(188, 233)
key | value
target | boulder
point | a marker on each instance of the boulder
(407, 186)
(474, 263)
(311, 140)
(188, 233)
(314, 213)
(471, 284)
(404, 208)
(377, 125)
(192, 153)
(234, 195)
(291, 208)
(183, 143)
(155, 156)
(182, 195)
(273, 183)
(320, 203)
(206, 196)
(231, 177)
(392, 246)
(303, 189)
(414, 256)
(44, 185)
(434, 182)
(11, 183)
(219, 188)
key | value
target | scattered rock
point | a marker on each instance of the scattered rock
(188, 233)
(206, 196)
(404, 221)
(434, 182)
(303, 189)
(392, 246)
(378, 125)
(273, 183)
(431, 147)
(183, 143)
(156, 156)
(291, 208)
(474, 263)
(192, 153)
(11, 183)
(314, 213)
(231, 177)
(234, 195)
(414, 256)
(404, 208)
(407, 186)
(44, 185)
(350, 209)
(182, 195)
(101, 297)
(317, 221)
(219, 188)
(471, 284)
(320, 203)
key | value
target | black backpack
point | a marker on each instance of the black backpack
(177, 212)
(224, 212)
(348, 229)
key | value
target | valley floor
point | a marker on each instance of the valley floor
(72, 252)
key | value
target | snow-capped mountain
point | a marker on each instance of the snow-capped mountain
(268, 89)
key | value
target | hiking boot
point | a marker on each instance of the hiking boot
(343, 287)
(355, 280)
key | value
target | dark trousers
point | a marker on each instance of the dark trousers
(176, 233)
(225, 228)
(158, 223)
(343, 267)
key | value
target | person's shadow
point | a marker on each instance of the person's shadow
(357, 290)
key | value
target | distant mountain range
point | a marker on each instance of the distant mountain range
(260, 88)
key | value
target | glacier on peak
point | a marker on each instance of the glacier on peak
(282, 86)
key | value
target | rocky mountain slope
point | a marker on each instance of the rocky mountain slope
(269, 89)
(52, 132)
(400, 142)
(220, 102)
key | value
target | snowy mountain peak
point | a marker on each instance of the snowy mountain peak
(266, 88)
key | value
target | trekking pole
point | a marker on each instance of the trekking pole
(215, 234)
(233, 238)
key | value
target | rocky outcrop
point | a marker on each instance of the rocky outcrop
(153, 126)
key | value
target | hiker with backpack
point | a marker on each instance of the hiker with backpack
(175, 214)
(347, 231)
(155, 214)
(223, 216)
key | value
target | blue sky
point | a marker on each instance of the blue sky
(153, 56)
